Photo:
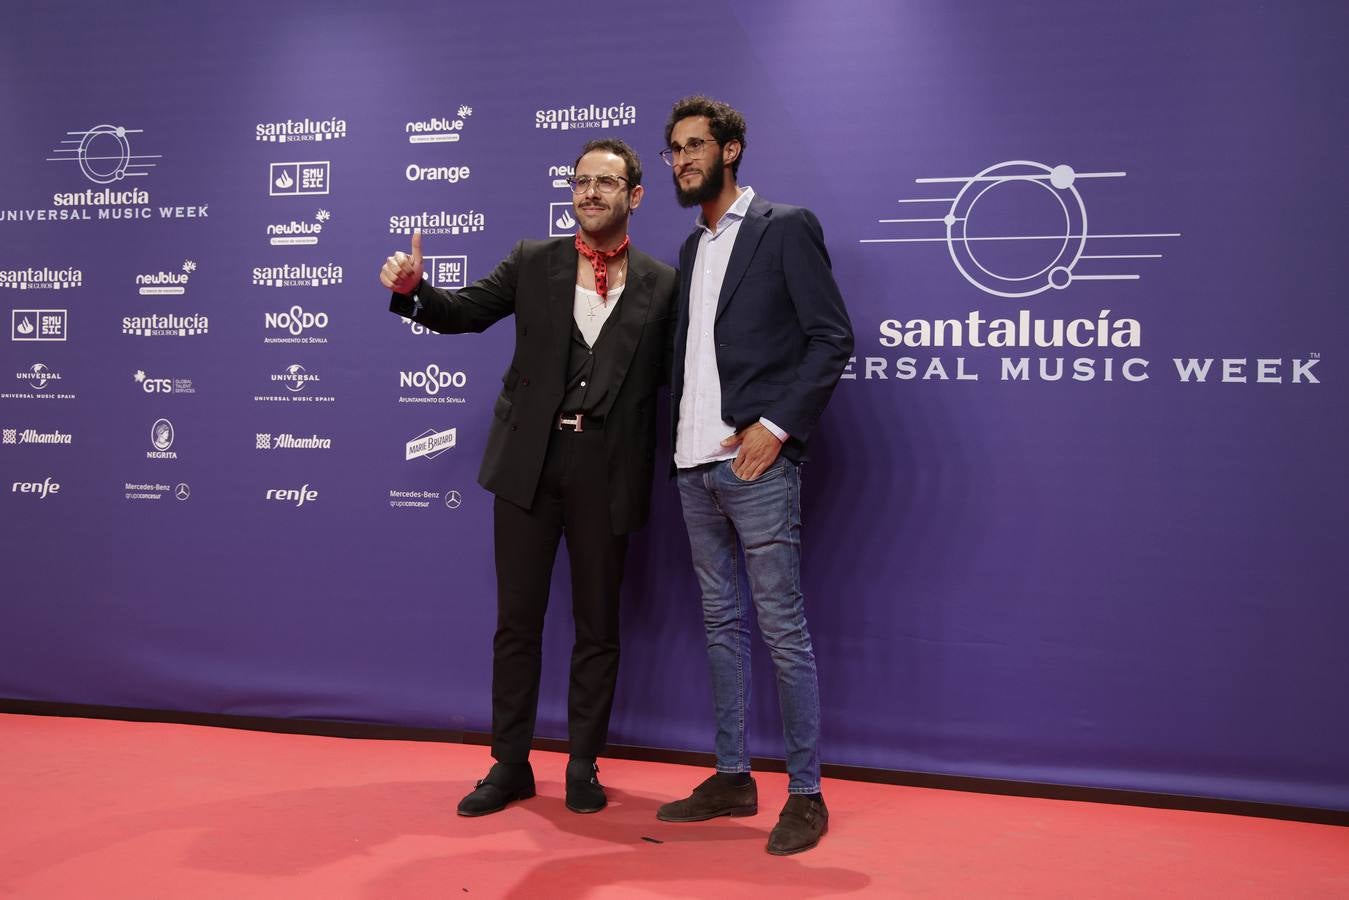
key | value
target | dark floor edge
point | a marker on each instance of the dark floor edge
(376, 731)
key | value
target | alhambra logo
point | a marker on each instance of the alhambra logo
(1019, 228)
(567, 118)
(292, 131)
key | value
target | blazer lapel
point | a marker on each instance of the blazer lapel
(746, 242)
(633, 307)
(561, 300)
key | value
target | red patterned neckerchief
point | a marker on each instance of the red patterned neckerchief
(599, 261)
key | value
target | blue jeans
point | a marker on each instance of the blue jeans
(760, 522)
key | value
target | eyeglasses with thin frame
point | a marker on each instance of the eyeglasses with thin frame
(693, 148)
(605, 184)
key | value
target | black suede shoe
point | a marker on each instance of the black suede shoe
(502, 785)
(802, 823)
(714, 797)
(585, 794)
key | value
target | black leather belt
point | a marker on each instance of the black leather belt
(579, 421)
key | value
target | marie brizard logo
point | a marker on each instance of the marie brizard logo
(1019, 228)
(103, 154)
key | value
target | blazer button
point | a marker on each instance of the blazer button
(515, 428)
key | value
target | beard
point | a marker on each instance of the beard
(714, 179)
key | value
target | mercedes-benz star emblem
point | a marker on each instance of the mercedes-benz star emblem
(452, 499)
(182, 491)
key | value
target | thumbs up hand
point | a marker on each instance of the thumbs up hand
(402, 272)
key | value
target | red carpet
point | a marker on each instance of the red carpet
(98, 809)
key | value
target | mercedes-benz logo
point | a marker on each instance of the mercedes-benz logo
(182, 491)
(452, 499)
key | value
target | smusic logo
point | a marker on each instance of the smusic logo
(300, 179)
(38, 325)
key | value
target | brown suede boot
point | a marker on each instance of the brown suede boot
(802, 823)
(710, 799)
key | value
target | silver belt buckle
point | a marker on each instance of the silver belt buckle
(574, 423)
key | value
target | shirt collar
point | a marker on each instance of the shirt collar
(737, 211)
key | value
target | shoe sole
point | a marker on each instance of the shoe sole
(524, 795)
(588, 809)
(734, 812)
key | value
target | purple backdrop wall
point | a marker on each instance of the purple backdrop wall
(1128, 576)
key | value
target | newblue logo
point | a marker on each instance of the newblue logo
(437, 129)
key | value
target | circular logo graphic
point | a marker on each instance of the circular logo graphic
(182, 491)
(41, 375)
(104, 154)
(1018, 228)
(297, 379)
(161, 434)
(453, 500)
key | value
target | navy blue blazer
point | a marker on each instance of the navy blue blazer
(782, 334)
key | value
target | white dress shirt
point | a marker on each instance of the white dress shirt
(701, 430)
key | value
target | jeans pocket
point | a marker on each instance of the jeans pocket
(773, 471)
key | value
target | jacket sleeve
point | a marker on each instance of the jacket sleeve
(824, 322)
(474, 308)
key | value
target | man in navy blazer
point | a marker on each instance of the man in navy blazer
(761, 338)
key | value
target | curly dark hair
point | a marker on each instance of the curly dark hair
(618, 148)
(725, 121)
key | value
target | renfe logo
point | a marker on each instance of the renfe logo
(300, 496)
(41, 488)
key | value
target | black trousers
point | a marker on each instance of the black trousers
(572, 500)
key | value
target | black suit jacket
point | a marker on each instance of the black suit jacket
(782, 334)
(537, 282)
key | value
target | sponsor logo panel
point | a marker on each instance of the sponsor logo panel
(300, 384)
(290, 131)
(38, 325)
(150, 385)
(43, 383)
(166, 283)
(438, 129)
(591, 115)
(296, 233)
(430, 444)
(43, 279)
(299, 179)
(432, 384)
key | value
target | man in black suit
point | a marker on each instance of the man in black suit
(570, 451)
(761, 338)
